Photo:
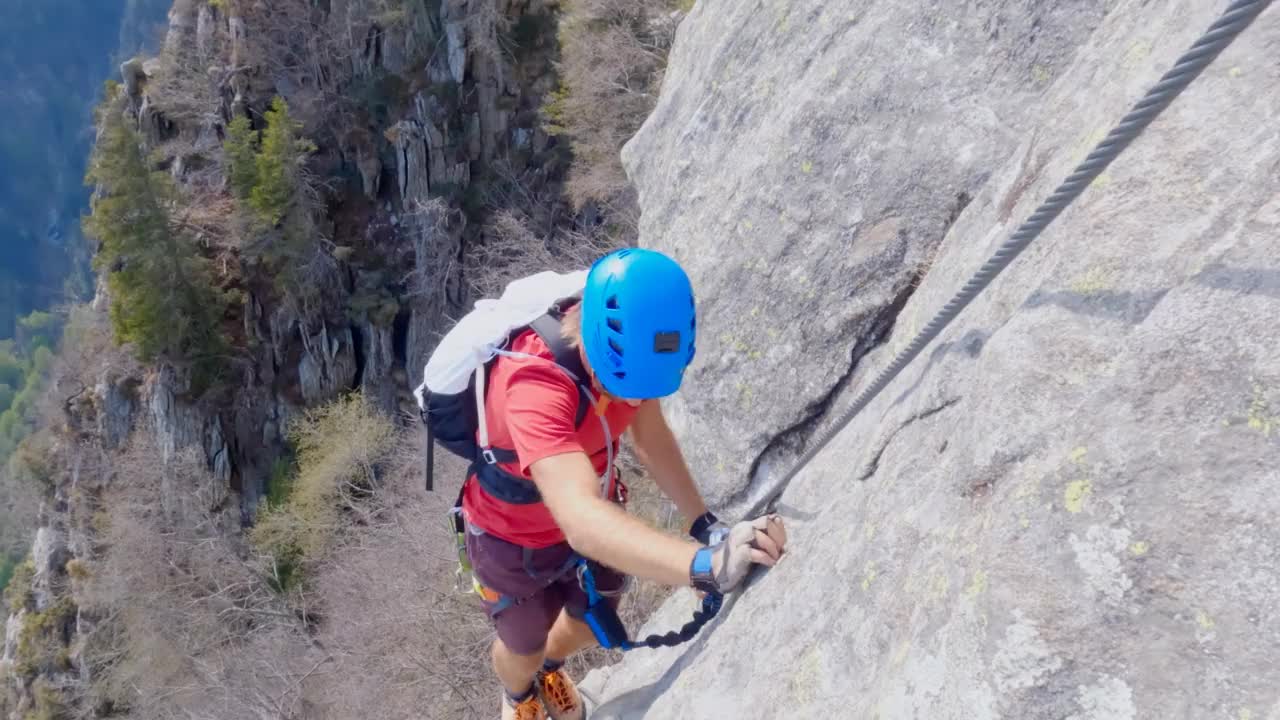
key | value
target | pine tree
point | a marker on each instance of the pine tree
(279, 163)
(242, 167)
(163, 300)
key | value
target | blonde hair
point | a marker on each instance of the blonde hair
(571, 326)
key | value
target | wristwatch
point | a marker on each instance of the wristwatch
(708, 529)
(701, 574)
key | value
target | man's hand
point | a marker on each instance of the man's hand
(752, 542)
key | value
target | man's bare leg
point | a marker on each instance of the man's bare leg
(567, 637)
(515, 671)
(561, 698)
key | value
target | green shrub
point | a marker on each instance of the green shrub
(371, 302)
(18, 402)
(40, 330)
(554, 119)
(40, 642)
(50, 704)
(79, 570)
(8, 564)
(34, 461)
(18, 592)
(17, 415)
(337, 448)
(280, 482)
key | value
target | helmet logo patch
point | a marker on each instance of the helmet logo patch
(666, 342)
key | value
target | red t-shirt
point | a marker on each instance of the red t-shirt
(531, 405)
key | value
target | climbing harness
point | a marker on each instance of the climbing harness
(600, 614)
(1233, 21)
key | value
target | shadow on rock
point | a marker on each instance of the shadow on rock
(1249, 281)
(1128, 307)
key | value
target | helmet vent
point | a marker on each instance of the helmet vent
(615, 324)
(615, 347)
(612, 302)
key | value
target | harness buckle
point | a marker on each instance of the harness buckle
(488, 456)
(587, 581)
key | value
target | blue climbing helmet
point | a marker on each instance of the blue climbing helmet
(638, 323)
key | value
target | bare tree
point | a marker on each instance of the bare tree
(408, 641)
(184, 92)
(432, 227)
(310, 53)
(19, 508)
(183, 623)
(613, 58)
(510, 249)
(487, 28)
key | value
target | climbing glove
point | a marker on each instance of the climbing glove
(722, 567)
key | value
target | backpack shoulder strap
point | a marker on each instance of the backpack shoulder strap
(547, 327)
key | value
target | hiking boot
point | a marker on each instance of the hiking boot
(559, 695)
(529, 709)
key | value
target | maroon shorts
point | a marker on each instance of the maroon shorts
(534, 585)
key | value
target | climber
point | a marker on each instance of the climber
(633, 333)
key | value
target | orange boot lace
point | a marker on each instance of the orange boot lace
(560, 695)
(530, 709)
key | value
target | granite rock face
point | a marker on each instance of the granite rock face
(805, 161)
(1066, 507)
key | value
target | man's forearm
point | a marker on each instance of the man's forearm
(603, 531)
(606, 533)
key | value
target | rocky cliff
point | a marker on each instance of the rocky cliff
(422, 117)
(422, 122)
(1064, 508)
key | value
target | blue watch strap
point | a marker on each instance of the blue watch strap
(701, 575)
